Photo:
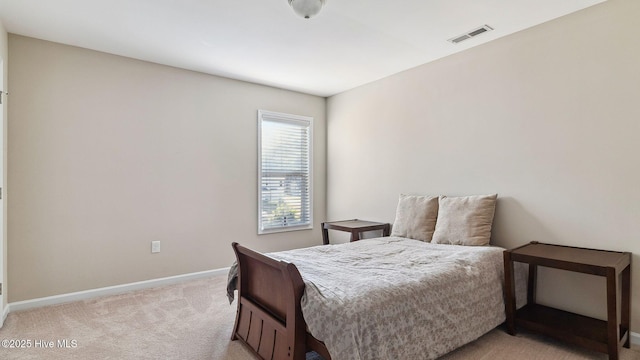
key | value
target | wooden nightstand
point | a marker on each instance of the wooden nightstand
(599, 335)
(355, 227)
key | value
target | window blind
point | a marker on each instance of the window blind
(284, 172)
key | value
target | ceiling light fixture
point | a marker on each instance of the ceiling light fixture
(307, 8)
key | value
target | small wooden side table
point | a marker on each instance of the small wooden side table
(355, 227)
(599, 335)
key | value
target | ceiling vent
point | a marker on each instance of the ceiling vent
(470, 34)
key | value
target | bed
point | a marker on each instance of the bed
(383, 298)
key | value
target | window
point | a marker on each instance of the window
(284, 172)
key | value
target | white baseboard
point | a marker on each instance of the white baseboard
(5, 313)
(110, 290)
(635, 339)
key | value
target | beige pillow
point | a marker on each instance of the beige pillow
(465, 220)
(416, 217)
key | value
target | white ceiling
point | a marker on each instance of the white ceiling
(350, 43)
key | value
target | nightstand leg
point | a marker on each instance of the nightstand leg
(613, 335)
(510, 294)
(325, 235)
(625, 307)
(532, 284)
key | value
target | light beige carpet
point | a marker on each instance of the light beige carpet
(193, 321)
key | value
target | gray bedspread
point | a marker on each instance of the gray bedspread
(397, 298)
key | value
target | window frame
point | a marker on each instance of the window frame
(284, 118)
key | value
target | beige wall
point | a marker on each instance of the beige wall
(107, 154)
(549, 118)
(4, 54)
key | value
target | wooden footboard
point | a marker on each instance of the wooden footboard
(269, 318)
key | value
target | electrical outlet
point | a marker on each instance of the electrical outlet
(155, 246)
